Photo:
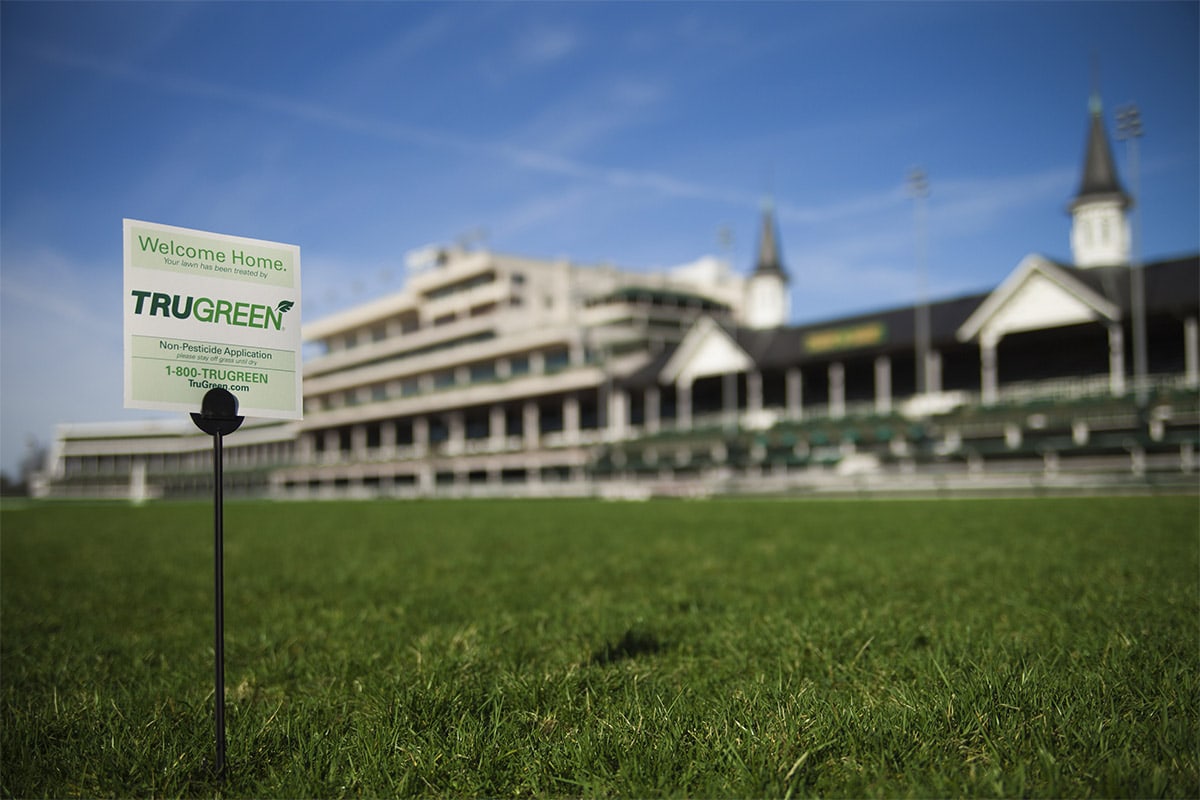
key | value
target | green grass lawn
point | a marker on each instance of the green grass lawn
(716, 649)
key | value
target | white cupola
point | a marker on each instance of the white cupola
(767, 300)
(1099, 226)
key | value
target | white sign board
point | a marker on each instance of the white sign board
(204, 310)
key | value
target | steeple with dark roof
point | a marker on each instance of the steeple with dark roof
(767, 298)
(769, 261)
(1100, 181)
(1100, 235)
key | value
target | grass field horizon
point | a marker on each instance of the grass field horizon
(725, 648)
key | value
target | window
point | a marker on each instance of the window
(481, 373)
(557, 359)
(409, 322)
(463, 285)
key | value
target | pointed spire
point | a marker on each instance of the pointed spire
(769, 261)
(1100, 179)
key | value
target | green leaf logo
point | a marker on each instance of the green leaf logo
(284, 305)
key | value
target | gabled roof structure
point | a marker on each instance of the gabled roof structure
(1038, 294)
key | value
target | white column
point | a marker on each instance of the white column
(529, 424)
(570, 412)
(933, 372)
(837, 390)
(420, 426)
(883, 385)
(358, 442)
(683, 405)
(457, 432)
(729, 403)
(1116, 359)
(537, 363)
(496, 423)
(754, 392)
(387, 438)
(988, 380)
(794, 389)
(618, 414)
(137, 481)
(652, 405)
(333, 445)
(305, 448)
(1191, 351)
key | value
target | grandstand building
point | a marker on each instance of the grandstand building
(493, 374)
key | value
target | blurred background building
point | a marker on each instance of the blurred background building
(493, 374)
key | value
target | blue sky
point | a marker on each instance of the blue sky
(630, 133)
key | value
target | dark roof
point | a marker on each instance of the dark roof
(1100, 179)
(1172, 286)
(647, 374)
(770, 260)
(885, 331)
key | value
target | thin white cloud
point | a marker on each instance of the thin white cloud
(524, 157)
(57, 289)
(965, 205)
(590, 115)
(539, 212)
(541, 45)
(529, 158)
(60, 347)
(875, 202)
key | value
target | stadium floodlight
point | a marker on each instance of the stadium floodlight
(1129, 130)
(918, 188)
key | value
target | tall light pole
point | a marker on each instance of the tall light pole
(918, 187)
(1129, 130)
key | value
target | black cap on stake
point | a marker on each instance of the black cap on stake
(218, 413)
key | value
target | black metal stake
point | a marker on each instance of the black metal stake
(218, 416)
